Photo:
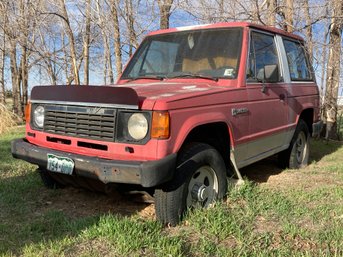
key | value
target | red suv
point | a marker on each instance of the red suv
(193, 106)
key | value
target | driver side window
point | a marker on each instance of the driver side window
(262, 52)
(160, 58)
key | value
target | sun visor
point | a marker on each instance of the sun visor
(86, 94)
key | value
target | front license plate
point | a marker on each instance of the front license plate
(60, 164)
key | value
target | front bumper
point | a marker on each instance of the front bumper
(147, 174)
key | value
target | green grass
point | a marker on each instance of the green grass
(282, 213)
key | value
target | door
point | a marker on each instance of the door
(267, 101)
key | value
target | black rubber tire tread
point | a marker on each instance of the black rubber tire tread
(286, 158)
(170, 199)
(48, 180)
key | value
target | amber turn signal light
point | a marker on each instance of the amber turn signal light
(160, 125)
(28, 112)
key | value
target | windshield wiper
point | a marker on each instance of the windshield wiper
(146, 77)
(192, 75)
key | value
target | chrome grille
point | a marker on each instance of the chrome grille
(81, 121)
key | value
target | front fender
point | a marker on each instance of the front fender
(195, 121)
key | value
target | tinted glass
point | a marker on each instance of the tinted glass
(212, 53)
(297, 61)
(262, 52)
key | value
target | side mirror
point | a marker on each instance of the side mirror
(268, 74)
(271, 73)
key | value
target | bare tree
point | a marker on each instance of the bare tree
(24, 65)
(2, 55)
(289, 15)
(323, 64)
(15, 75)
(116, 36)
(48, 58)
(12, 33)
(104, 30)
(165, 7)
(333, 70)
(272, 10)
(86, 42)
(2, 70)
(308, 28)
(130, 25)
(66, 64)
(72, 46)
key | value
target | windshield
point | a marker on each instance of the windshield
(204, 54)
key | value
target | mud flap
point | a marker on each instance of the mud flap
(239, 181)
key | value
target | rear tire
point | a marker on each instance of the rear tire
(297, 154)
(48, 180)
(200, 180)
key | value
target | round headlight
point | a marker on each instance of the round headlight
(137, 126)
(38, 116)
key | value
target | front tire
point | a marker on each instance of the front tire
(297, 154)
(200, 180)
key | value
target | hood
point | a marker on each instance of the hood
(171, 95)
(146, 96)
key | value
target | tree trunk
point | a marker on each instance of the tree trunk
(87, 42)
(2, 77)
(333, 71)
(110, 68)
(24, 75)
(68, 78)
(23, 41)
(289, 15)
(51, 72)
(17, 108)
(272, 5)
(323, 71)
(116, 35)
(309, 38)
(105, 58)
(130, 25)
(2, 66)
(70, 34)
(165, 6)
(107, 62)
(221, 11)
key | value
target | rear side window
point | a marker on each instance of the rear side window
(262, 52)
(297, 61)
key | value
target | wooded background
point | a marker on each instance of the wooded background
(78, 41)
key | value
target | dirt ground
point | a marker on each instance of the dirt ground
(78, 202)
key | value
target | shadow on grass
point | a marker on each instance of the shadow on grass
(32, 214)
(262, 170)
(321, 148)
(5, 151)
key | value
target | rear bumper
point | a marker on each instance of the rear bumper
(147, 174)
(317, 128)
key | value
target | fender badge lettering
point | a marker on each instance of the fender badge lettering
(235, 111)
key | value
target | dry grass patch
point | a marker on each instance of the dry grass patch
(7, 119)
